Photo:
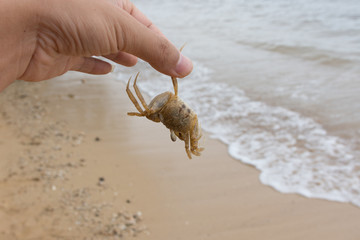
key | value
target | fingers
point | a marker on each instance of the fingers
(91, 66)
(152, 47)
(123, 58)
(138, 36)
(121, 34)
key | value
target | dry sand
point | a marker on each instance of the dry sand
(74, 166)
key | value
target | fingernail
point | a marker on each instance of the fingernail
(112, 68)
(184, 66)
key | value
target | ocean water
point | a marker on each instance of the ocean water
(277, 81)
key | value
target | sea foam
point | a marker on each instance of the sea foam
(294, 153)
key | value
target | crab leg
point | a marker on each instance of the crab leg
(174, 81)
(195, 137)
(194, 147)
(187, 140)
(135, 114)
(138, 93)
(196, 151)
(195, 128)
(133, 99)
(182, 47)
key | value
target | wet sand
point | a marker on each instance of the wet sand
(73, 165)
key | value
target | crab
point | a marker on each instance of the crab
(174, 113)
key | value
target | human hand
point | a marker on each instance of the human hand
(46, 38)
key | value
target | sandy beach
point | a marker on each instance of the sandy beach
(73, 165)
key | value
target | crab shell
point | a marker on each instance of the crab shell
(174, 113)
(169, 109)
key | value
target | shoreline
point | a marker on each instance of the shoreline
(79, 138)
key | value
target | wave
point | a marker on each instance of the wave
(294, 153)
(310, 53)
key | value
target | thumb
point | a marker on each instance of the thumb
(152, 47)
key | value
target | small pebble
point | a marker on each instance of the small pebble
(137, 215)
(97, 139)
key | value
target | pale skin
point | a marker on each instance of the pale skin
(42, 39)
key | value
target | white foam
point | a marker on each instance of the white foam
(294, 153)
